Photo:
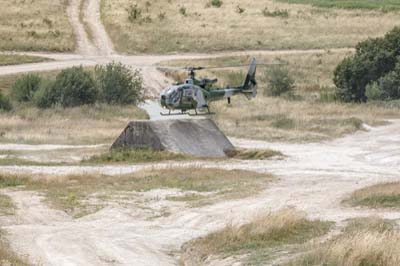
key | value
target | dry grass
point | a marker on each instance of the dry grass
(219, 29)
(7, 206)
(81, 125)
(284, 227)
(73, 193)
(7, 256)
(386, 195)
(38, 25)
(253, 154)
(364, 242)
(310, 115)
(12, 59)
(95, 124)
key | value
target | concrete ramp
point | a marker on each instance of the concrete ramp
(197, 137)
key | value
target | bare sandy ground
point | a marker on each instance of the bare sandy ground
(313, 178)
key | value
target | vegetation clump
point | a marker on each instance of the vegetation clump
(373, 72)
(118, 84)
(286, 226)
(76, 86)
(279, 81)
(25, 87)
(134, 156)
(284, 13)
(386, 195)
(216, 3)
(365, 241)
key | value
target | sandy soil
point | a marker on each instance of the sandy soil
(313, 178)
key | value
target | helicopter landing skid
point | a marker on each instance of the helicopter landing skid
(168, 114)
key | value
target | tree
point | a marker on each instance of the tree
(374, 59)
(119, 85)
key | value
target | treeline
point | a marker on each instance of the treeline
(113, 83)
(373, 72)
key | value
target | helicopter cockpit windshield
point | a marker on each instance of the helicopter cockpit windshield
(172, 96)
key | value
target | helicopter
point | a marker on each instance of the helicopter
(195, 94)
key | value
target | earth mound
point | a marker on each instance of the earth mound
(196, 137)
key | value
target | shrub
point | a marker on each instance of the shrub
(276, 13)
(240, 10)
(216, 3)
(374, 59)
(182, 10)
(72, 87)
(278, 81)
(25, 87)
(119, 85)
(5, 103)
(134, 12)
(46, 95)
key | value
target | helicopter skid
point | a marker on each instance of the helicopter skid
(168, 114)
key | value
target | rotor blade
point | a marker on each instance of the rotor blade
(262, 64)
(189, 68)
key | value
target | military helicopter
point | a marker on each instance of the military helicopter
(197, 94)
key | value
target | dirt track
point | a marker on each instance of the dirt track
(313, 178)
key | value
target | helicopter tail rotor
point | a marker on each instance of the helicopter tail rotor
(250, 84)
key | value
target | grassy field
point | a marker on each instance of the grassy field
(385, 5)
(38, 25)
(92, 124)
(365, 241)
(197, 26)
(310, 114)
(386, 195)
(255, 239)
(75, 194)
(10, 59)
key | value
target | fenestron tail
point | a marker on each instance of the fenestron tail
(250, 84)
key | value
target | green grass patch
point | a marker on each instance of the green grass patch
(10, 59)
(136, 156)
(386, 5)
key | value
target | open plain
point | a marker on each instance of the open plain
(65, 200)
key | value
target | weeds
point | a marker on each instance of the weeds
(386, 195)
(284, 13)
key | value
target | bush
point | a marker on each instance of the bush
(5, 103)
(72, 87)
(374, 59)
(373, 91)
(25, 87)
(216, 3)
(119, 85)
(276, 13)
(278, 81)
(46, 96)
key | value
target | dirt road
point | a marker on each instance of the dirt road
(314, 178)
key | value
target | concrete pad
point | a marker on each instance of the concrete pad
(198, 137)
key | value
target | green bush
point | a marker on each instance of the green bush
(25, 87)
(374, 92)
(46, 96)
(72, 87)
(5, 103)
(278, 81)
(373, 60)
(216, 3)
(284, 13)
(119, 85)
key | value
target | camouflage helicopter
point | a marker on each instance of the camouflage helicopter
(197, 94)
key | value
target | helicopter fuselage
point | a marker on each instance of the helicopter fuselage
(189, 96)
